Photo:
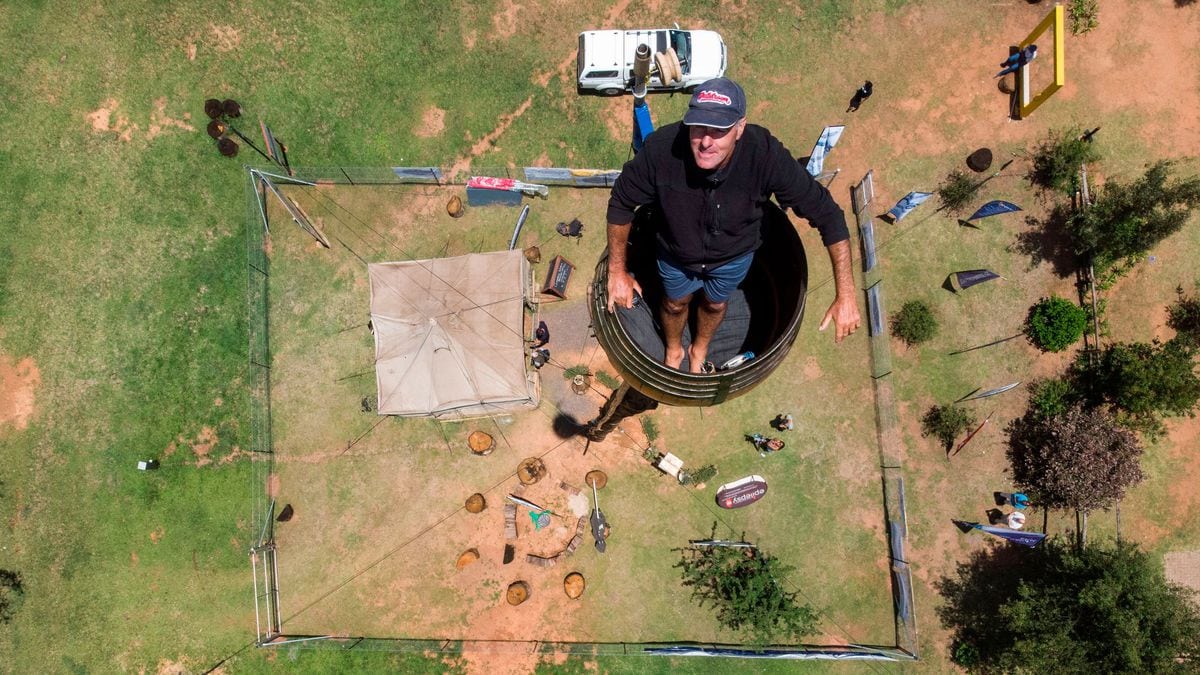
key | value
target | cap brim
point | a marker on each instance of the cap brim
(709, 118)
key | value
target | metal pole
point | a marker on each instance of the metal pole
(275, 591)
(517, 230)
(254, 575)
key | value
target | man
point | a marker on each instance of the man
(709, 177)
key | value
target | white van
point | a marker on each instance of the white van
(604, 64)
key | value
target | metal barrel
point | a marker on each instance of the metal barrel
(778, 284)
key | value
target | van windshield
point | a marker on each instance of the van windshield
(681, 40)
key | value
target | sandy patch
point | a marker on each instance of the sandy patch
(505, 21)
(225, 38)
(18, 383)
(190, 51)
(160, 121)
(273, 485)
(433, 123)
(157, 535)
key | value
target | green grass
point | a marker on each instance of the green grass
(123, 277)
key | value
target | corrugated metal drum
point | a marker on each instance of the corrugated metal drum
(775, 291)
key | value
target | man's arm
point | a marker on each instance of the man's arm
(621, 284)
(844, 310)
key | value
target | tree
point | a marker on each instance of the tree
(1143, 381)
(744, 586)
(1104, 609)
(958, 191)
(1051, 397)
(1184, 317)
(914, 323)
(1054, 324)
(1081, 459)
(1127, 220)
(946, 422)
(1057, 159)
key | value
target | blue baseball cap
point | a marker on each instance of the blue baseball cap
(718, 103)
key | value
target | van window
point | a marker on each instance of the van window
(681, 40)
(598, 74)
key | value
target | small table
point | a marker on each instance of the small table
(670, 465)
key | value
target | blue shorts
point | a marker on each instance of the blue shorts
(718, 284)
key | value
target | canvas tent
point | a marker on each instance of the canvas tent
(450, 335)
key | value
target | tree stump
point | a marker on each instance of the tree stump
(531, 471)
(518, 592)
(481, 443)
(573, 585)
(466, 558)
(216, 129)
(227, 147)
(476, 503)
(454, 207)
(212, 108)
(598, 476)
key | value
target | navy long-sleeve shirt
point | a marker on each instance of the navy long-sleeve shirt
(709, 218)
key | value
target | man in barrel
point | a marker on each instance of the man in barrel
(709, 177)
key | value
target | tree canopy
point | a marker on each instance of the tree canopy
(1143, 381)
(1054, 323)
(744, 585)
(1128, 220)
(1080, 459)
(1103, 609)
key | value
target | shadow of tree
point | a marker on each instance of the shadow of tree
(1048, 241)
(972, 596)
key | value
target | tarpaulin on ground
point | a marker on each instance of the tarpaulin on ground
(905, 206)
(829, 138)
(449, 338)
(994, 208)
(968, 278)
(1030, 539)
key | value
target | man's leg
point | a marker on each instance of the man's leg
(674, 314)
(707, 319)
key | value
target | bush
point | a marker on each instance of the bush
(607, 380)
(1083, 15)
(1057, 160)
(958, 191)
(914, 323)
(744, 586)
(946, 422)
(1143, 381)
(1184, 317)
(1050, 398)
(649, 428)
(1054, 324)
(571, 372)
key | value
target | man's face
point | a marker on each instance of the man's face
(712, 147)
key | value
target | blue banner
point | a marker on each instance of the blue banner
(1030, 539)
(911, 201)
(994, 208)
(829, 138)
(968, 278)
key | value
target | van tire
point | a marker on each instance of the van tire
(611, 91)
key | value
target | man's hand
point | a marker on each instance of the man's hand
(621, 287)
(844, 314)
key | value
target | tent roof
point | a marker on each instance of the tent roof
(450, 335)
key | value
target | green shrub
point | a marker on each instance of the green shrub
(571, 372)
(1051, 398)
(958, 191)
(914, 323)
(607, 380)
(1055, 324)
(704, 473)
(649, 428)
(1057, 160)
(946, 422)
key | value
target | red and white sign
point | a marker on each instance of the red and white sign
(709, 96)
(741, 492)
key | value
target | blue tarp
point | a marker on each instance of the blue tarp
(968, 278)
(994, 208)
(911, 201)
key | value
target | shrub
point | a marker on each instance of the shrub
(704, 473)
(946, 422)
(1050, 398)
(649, 428)
(1057, 159)
(745, 588)
(12, 594)
(571, 372)
(914, 323)
(1083, 15)
(1054, 324)
(607, 380)
(1143, 381)
(958, 191)
(1184, 317)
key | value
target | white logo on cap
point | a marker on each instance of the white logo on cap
(707, 96)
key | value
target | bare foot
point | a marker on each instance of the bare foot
(674, 358)
(696, 360)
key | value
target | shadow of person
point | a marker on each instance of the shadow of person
(565, 426)
(855, 101)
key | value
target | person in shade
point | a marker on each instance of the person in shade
(1018, 60)
(709, 176)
